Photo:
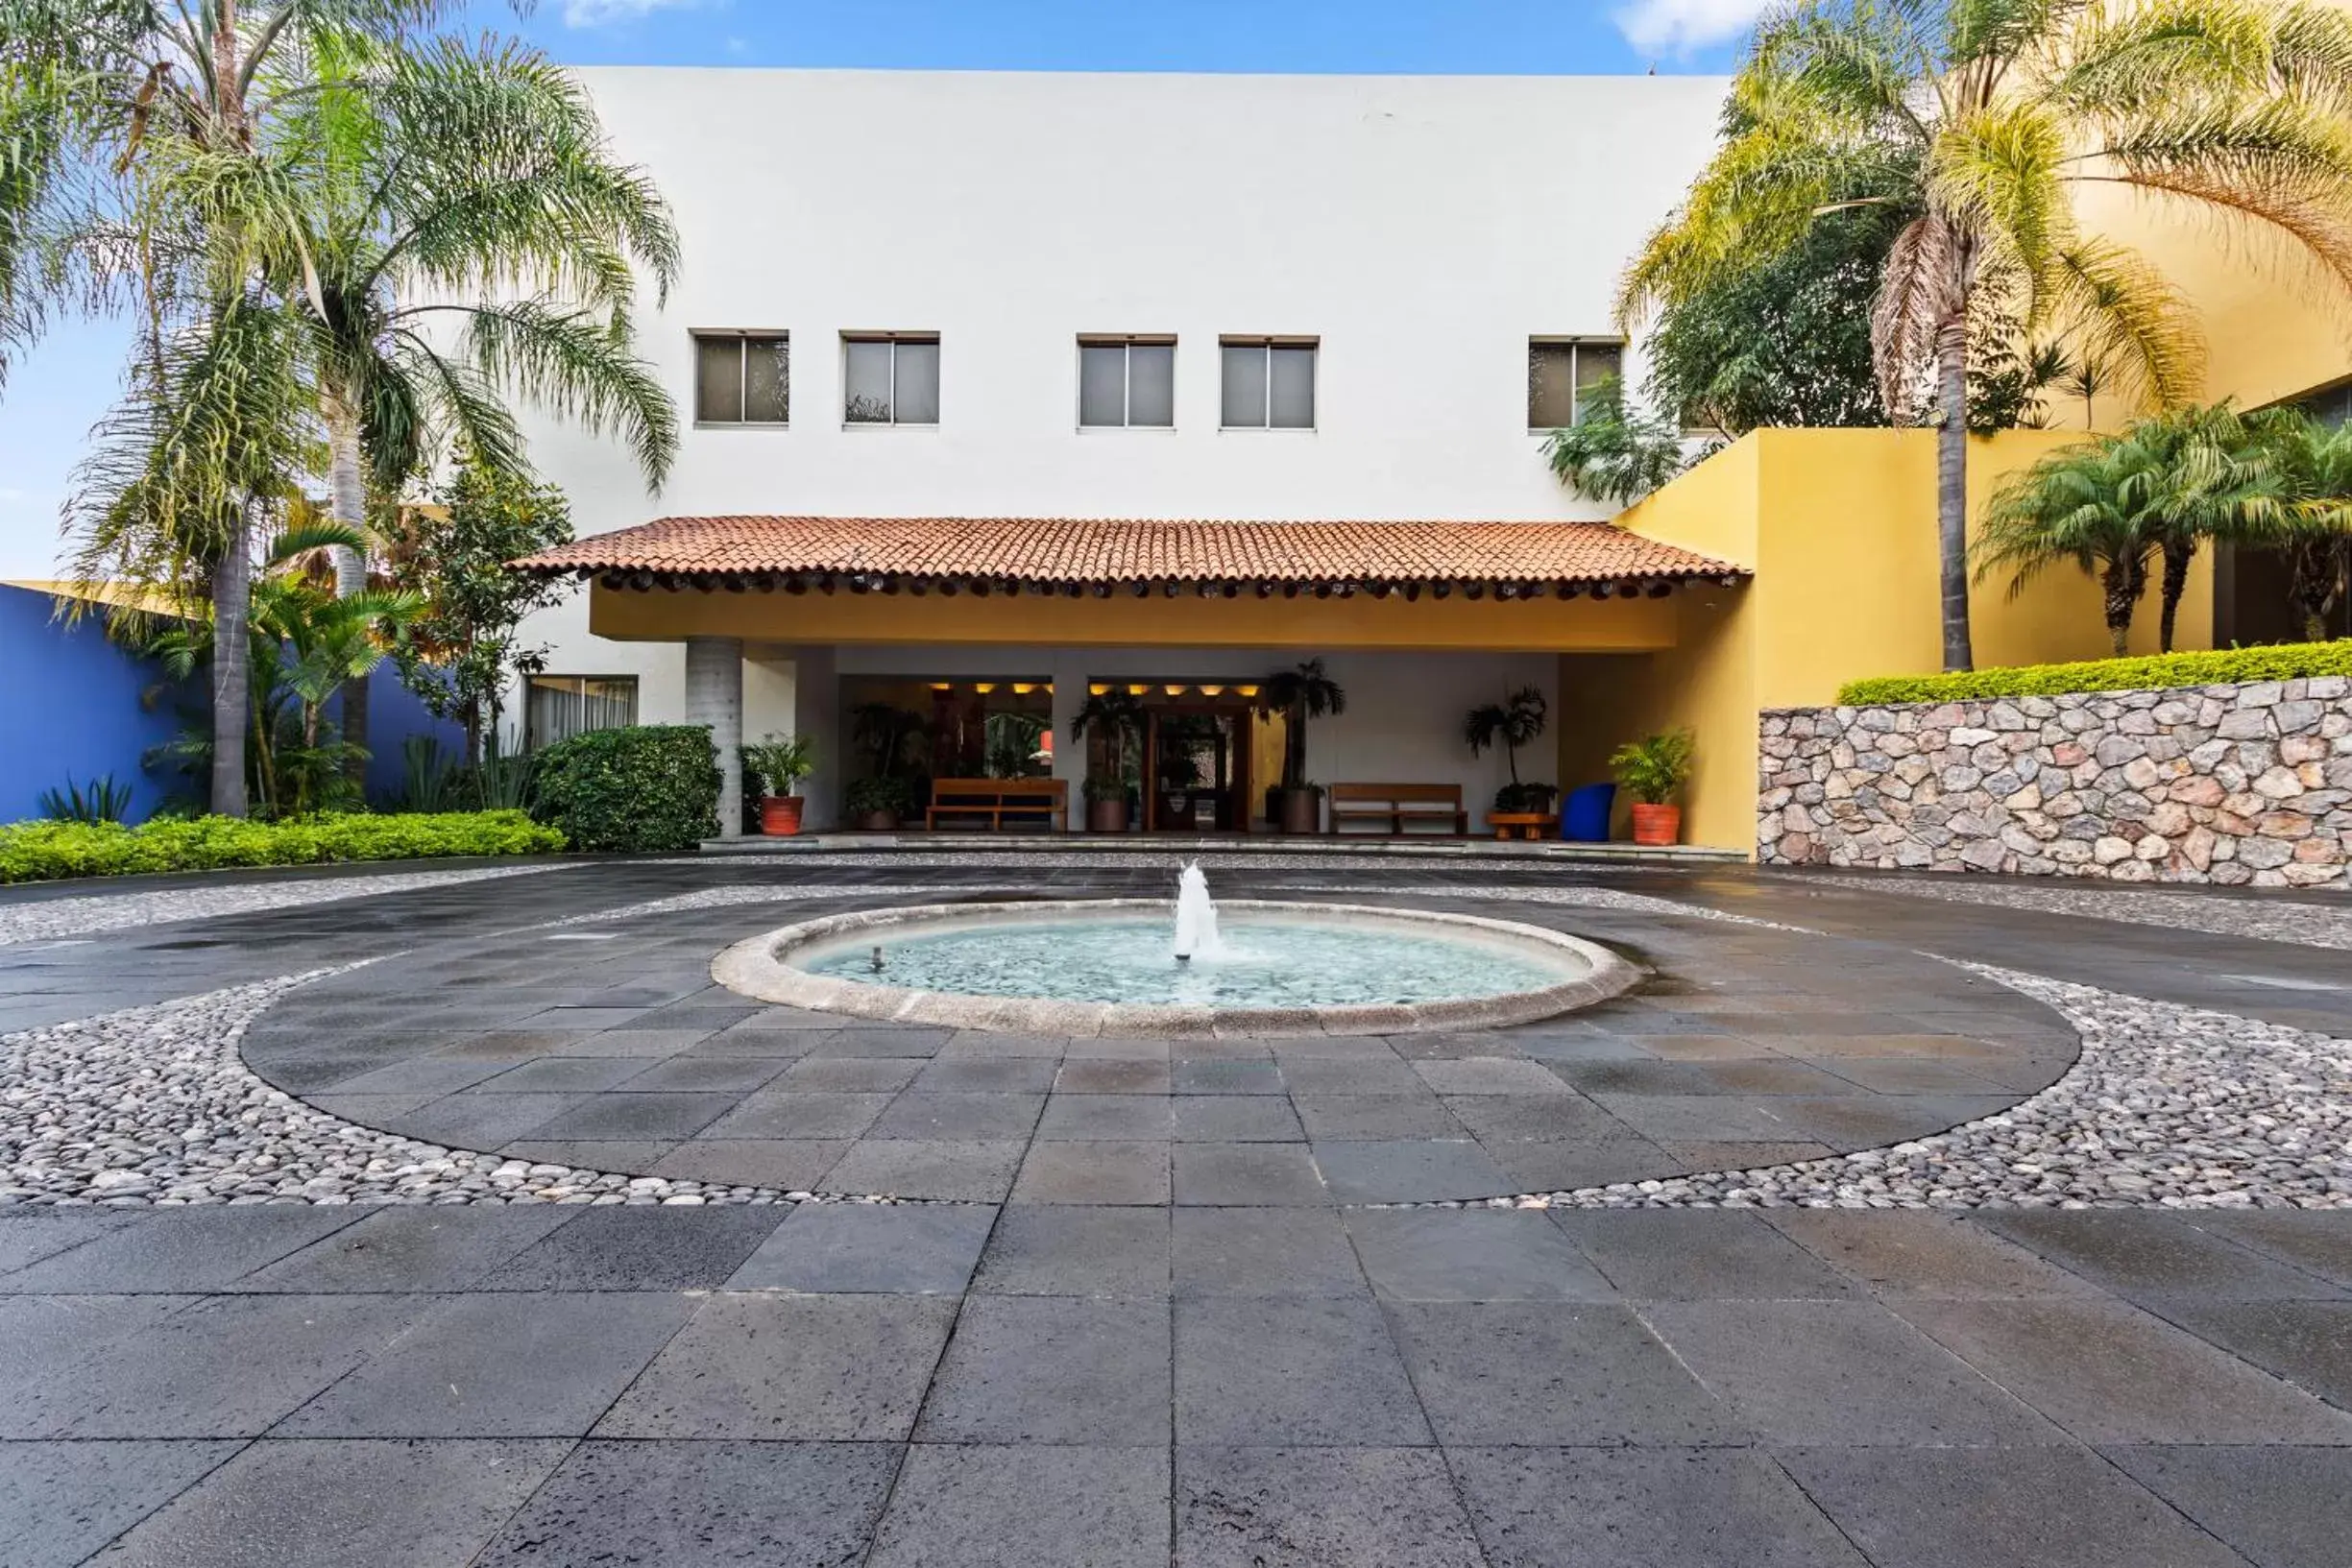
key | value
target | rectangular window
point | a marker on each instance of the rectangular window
(1127, 383)
(557, 706)
(1268, 383)
(742, 377)
(890, 380)
(1561, 375)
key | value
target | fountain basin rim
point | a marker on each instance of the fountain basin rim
(759, 967)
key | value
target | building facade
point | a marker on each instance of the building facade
(976, 295)
(1006, 390)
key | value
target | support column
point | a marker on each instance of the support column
(1070, 755)
(817, 712)
(714, 699)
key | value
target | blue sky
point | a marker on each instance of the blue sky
(53, 396)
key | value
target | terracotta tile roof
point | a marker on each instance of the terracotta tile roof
(1069, 551)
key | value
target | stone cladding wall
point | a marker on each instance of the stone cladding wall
(2235, 785)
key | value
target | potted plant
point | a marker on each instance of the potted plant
(1653, 771)
(1300, 694)
(876, 804)
(1118, 717)
(781, 764)
(1516, 721)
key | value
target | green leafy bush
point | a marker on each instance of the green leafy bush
(47, 850)
(2223, 666)
(650, 788)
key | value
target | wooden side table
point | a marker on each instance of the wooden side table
(1528, 824)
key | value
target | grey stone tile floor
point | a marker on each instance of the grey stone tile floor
(1044, 1384)
(1150, 1315)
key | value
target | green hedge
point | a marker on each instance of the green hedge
(46, 850)
(2223, 666)
(652, 788)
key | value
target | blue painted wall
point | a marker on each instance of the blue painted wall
(70, 705)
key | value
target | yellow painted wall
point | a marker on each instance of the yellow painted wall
(2273, 326)
(1544, 625)
(1839, 527)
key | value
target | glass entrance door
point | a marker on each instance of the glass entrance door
(1196, 765)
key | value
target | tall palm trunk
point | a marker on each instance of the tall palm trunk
(1951, 486)
(2179, 554)
(2123, 582)
(348, 500)
(231, 674)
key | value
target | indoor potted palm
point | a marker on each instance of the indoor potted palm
(1300, 694)
(1653, 771)
(781, 764)
(875, 806)
(1516, 721)
(1117, 717)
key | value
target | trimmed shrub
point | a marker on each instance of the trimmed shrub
(2223, 666)
(46, 850)
(650, 788)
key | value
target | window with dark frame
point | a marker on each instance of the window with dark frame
(1268, 383)
(1562, 373)
(890, 378)
(1127, 383)
(557, 706)
(742, 377)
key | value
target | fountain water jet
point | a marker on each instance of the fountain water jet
(1196, 917)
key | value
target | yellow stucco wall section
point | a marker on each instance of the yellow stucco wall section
(1839, 527)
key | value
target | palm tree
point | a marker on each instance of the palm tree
(2094, 505)
(1300, 694)
(470, 231)
(1117, 715)
(135, 169)
(2304, 508)
(1985, 120)
(1516, 721)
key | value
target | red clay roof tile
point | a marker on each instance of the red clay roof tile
(1066, 550)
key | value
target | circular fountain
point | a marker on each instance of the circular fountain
(1115, 965)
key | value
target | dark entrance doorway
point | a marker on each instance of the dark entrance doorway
(1197, 757)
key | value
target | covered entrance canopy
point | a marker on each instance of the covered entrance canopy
(1073, 602)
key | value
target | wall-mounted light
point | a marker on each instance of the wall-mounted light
(1174, 691)
(1137, 691)
(1098, 688)
(1022, 688)
(944, 685)
(1247, 690)
(1212, 692)
(984, 687)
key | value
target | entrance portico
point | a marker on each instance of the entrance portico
(1005, 625)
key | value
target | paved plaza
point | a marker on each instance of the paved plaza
(451, 1219)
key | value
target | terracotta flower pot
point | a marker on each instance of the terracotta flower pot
(873, 822)
(1106, 816)
(780, 815)
(1301, 810)
(1657, 825)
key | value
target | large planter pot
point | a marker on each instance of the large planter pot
(1657, 825)
(780, 815)
(1303, 811)
(1106, 816)
(875, 822)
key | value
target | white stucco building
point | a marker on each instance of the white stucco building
(1116, 297)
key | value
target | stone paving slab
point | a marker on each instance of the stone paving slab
(1239, 1361)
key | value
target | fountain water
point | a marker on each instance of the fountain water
(1196, 917)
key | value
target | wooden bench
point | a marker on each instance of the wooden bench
(1397, 805)
(1521, 824)
(1029, 802)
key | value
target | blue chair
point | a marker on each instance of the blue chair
(1584, 818)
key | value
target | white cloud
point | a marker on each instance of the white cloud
(1670, 27)
(607, 13)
